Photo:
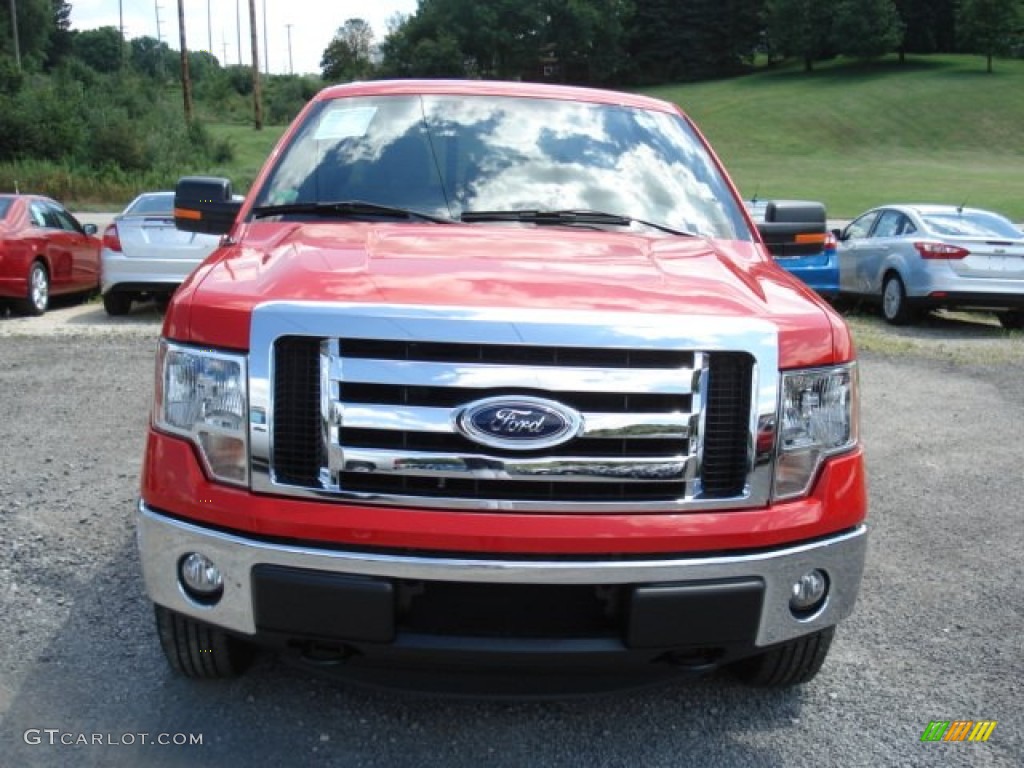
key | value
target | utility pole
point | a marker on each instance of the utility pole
(209, 28)
(238, 29)
(14, 29)
(266, 50)
(257, 102)
(159, 39)
(186, 80)
(291, 70)
(120, 20)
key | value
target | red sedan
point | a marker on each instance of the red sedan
(44, 251)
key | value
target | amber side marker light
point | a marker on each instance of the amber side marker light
(812, 237)
(185, 213)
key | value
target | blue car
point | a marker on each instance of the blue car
(812, 259)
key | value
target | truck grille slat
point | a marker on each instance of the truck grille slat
(419, 452)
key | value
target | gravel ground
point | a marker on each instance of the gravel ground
(937, 633)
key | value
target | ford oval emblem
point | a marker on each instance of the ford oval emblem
(518, 423)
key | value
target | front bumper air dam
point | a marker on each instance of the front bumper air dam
(164, 541)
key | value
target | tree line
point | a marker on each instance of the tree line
(646, 42)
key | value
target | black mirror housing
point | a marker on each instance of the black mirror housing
(205, 204)
(793, 228)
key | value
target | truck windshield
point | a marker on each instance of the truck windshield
(450, 156)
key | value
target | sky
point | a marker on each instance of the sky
(314, 23)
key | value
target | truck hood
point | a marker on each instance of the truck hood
(496, 266)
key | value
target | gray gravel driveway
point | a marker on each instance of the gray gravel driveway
(937, 634)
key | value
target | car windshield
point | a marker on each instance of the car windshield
(146, 205)
(971, 224)
(469, 157)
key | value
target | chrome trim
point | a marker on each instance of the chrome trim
(611, 426)
(695, 334)
(163, 542)
(487, 376)
(565, 469)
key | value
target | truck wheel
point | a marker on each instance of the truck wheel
(117, 304)
(895, 309)
(792, 663)
(198, 650)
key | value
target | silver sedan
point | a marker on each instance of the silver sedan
(912, 258)
(144, 256)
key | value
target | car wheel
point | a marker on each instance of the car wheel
(1011, 321)
(117, 303)
(37, 297)
(200, 651)
(792, 663)
(895, 308)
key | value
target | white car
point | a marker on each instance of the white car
(912, 258)
(145, 256)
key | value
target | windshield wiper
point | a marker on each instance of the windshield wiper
(569, 216)
(346, 209)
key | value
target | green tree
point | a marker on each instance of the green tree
(61, 38)
(35, 25)
(801, 28)
(98, 48)
(866, 29)
(347, 56)
(152, 57)
(988, 26)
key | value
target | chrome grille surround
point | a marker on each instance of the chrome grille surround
(330, 323)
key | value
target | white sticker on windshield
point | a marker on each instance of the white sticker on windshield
(344, 123)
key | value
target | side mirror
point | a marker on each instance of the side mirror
(837, 234)
(90, 229)
(205, 204)
(793, 228)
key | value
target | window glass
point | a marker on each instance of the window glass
(162, 204)
(37, 212)
(61, 218)
(890, 224)
(971, 224)
(860, 227)
(446, 155)
(5, 206)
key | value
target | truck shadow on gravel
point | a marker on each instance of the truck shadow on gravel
(103, 673)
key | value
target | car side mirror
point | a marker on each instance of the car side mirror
(793, 228)
(90, 229)
(205, 204)
(838, 234)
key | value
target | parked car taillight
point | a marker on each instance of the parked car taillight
(941, 251)
(830, 242)
(111, 240)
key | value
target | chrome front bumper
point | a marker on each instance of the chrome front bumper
(163, 542)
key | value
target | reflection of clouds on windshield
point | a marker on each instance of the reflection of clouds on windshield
(500, 153)
(554, 155)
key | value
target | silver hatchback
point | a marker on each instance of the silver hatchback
(912, 258)
(145, 256)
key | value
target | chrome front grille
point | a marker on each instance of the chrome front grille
(362, 405)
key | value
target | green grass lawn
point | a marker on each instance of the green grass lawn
(855, 135)
(251, 149)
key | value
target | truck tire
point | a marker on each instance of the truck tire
(197, 650)
(792, 663)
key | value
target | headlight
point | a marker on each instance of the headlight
(201, 395)
(818, 418)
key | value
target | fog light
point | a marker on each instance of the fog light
(201, 579)
(809, 592)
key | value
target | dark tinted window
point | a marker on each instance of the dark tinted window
(5, 206)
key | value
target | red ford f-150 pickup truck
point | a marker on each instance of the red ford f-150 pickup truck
(499, 376)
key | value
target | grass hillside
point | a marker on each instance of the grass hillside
(855, 135)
